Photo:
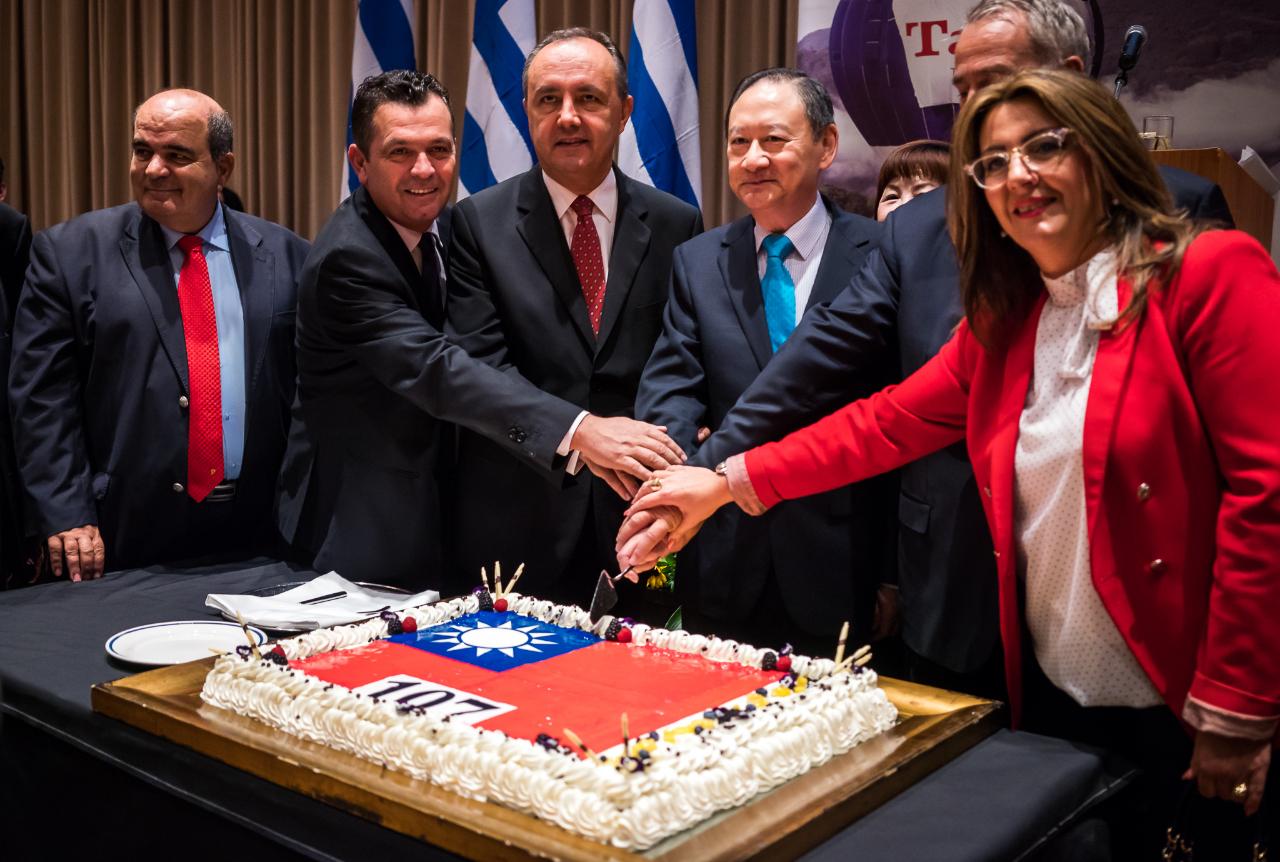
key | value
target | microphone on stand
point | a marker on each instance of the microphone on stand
(1134, 38)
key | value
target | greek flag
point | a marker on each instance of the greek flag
(660, 144)
(384, 41)
(495, 131)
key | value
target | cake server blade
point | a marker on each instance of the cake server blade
(605, 596)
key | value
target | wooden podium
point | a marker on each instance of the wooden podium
(1251, 207)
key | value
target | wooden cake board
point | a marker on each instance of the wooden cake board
(934, 726)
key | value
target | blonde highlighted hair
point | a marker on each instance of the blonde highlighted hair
(999, 281)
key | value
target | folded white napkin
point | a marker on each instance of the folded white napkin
(329, 600)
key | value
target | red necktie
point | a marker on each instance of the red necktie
(585, 249)
(200, 327)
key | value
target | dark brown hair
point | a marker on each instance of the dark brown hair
(924, 159)
(999, 280)
(399, 86)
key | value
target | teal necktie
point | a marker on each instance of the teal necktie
(779, 290)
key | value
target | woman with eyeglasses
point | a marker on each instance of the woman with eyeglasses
(1115, 378)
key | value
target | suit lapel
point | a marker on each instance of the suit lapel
(741, 278)
(540, 229)
(1110, 372)
(846, 246)
(1016, 377)
(630, 244)
(148, 261)
(385, 233)
(254, 267)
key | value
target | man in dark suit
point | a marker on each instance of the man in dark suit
(153, 366)
(559, 276)
(15, 244)
(905, 301)
(377, 379)
(816, 562)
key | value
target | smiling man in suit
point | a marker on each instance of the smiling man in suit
(559, 276)
(736, 294)
(152, 362)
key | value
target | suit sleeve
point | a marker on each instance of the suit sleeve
(823, 365)
(15, 271)
(472, 320)
(404, 353)
(673, 387)
(901, 423)
(1230, 316)
(45, 399)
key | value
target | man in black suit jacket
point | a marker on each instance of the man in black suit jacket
(377, 379)
(905, 301)
(812, 563)
(111, 416)
(15, 244)
(518, 300)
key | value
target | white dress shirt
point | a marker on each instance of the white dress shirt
(1076, 641)
(604, 200)
(809, 237)
(413, 241)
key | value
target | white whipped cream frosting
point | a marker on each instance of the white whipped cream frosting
(685, 780)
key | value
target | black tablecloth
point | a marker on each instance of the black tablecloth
(997, 801)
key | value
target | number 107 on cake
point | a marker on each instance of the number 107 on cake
(434, 699)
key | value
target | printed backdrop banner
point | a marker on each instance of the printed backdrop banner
(888, 66)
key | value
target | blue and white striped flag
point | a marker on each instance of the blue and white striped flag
(384, 41)
(495, 131)
(660, 144)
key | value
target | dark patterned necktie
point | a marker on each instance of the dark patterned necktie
(587, 259)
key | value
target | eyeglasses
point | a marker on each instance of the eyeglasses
(1039, 152)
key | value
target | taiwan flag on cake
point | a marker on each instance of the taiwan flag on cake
(524, 677)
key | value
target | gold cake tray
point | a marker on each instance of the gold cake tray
(934, 726)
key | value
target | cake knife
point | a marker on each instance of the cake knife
(606, 594)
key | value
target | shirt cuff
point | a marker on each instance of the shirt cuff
(744, 493)
(1213, 719)
(564, 449)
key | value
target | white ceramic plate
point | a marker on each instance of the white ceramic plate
(176, 642)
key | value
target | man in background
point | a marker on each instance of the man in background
(15, 245)
(153, 360)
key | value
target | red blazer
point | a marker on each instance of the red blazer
(1181, 469)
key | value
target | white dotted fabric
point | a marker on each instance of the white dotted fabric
(1076, 642)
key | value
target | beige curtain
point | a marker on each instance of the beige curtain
(74, 69)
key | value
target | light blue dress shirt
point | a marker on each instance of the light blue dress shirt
(230, 319)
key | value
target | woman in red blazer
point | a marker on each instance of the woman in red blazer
(1116, 379)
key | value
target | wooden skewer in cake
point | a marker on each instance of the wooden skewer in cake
(497, 578)
(858, 659)
(577, 740)
(511, 586)
(844, 636)
(253, 643)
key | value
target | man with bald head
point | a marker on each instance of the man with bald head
(153, 360)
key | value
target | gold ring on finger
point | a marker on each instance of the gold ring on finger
(1240, 791)
(655, 483)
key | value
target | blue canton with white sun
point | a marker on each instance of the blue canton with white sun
(497, 641)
